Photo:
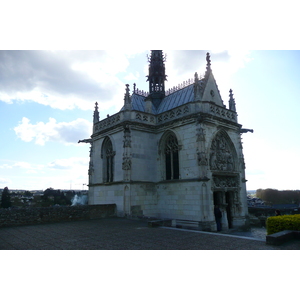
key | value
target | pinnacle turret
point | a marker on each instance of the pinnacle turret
(96, 113)
(231, 101)
(157, 76)
(208, 64)
(127, 98)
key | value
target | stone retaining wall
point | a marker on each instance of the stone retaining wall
(40, 215)
(281, 237)
(269, 212)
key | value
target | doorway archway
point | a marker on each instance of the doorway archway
(229, 202)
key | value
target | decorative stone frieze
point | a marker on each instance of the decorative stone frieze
(108, 122)
(225, 182)
(221, 112)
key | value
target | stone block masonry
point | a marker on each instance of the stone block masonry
(40, 215)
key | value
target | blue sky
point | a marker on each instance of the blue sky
(47, 100)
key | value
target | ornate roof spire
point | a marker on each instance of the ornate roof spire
(127, 98)
(231, 101)
(208, 64)
(157, 76)
(96, 113)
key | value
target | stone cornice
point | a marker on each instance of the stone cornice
(174, 181)
(208, 110)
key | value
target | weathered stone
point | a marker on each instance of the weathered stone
(185, 146)
(281, 237)
(37, 215)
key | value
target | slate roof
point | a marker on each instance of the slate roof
(176, 99)
(171, 101)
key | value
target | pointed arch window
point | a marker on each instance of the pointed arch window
(171, 152)
(108, 161)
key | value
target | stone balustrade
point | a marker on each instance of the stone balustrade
(221, 112)
(147, 118)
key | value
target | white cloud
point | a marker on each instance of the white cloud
(69, 163)
(63, 132)
(22, 164)
(70, 172)
(77, 79)
(182, 64)
(13, 169)
(5, 181)
(5, 166)
(62, 79)
(32, 171)
(59, 173)
(132, 76)
(19, 164)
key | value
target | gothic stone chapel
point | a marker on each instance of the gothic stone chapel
(171, 154)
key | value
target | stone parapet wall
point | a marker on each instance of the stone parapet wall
(270, 211)
(40, 215)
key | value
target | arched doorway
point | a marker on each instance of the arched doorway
(229, 206)
(225, 175)
(218, 198)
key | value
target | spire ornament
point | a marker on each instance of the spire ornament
(96, 113)
(231, 101)
(127, 98)
(208, 62)
(208, 68)
(157, 76)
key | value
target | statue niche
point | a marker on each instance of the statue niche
(222, 154)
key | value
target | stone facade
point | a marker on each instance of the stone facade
(171, 154)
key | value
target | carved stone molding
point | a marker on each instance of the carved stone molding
(225, 182)
(127, 137)
(126, 164)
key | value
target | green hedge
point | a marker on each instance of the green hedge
(285, 222)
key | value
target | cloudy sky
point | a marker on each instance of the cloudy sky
(47, 101)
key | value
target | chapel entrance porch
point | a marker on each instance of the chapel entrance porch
(224, 199)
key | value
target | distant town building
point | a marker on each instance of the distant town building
(171, 154)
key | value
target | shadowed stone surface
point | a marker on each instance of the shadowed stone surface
(123, 234)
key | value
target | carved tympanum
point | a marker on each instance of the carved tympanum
(221, 154)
